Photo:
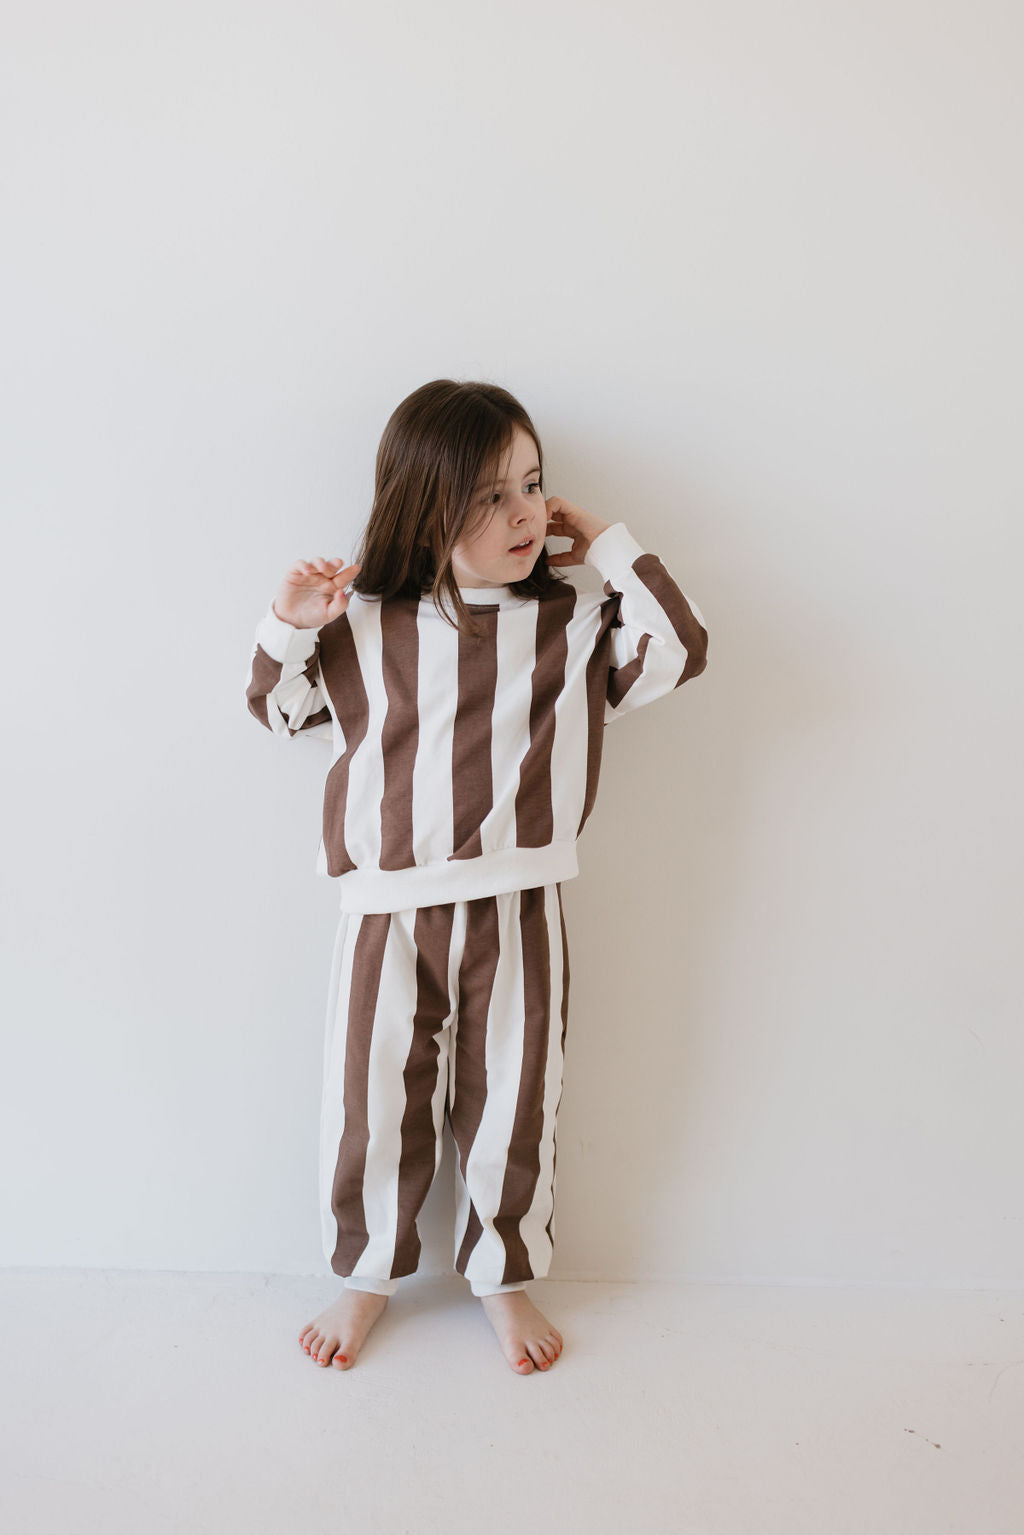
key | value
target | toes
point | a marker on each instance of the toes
(328, 1350)
(342, 1362)
(524, 1365)
(538, 1355)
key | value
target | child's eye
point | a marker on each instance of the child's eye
(498, 495)
(532, 485)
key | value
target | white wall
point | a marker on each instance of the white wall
(755, 270)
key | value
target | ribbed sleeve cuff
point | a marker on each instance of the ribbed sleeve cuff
(613, 550)
(282, 641)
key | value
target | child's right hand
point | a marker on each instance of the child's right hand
(311, 593)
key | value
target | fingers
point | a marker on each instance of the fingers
(332, 569)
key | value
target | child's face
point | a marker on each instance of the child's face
(513, 511)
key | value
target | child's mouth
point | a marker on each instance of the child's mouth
(522, 548)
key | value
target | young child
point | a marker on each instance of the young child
(465, 752)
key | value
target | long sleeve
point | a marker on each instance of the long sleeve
(659, 639)
(283, 692)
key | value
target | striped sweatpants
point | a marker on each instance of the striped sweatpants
(455, 1011)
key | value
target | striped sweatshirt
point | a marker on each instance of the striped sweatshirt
(466, 766)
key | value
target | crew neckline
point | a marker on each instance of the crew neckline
(482, 596)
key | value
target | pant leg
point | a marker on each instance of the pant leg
(505, 1085)
(385, 1083)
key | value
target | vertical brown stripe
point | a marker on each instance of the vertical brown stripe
(476, 986)
(347, 1187)
(597, 692)
(432, 936)
(343, 681)
(565, 1024)
(472, 786)
(523, 1160)
(400, 730)
(690, 632)
(266, 674)
(534, 810)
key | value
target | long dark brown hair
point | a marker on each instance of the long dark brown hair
(442, 441)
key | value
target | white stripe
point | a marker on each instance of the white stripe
(365, 765)
(510, 723)
(437, 685)
(571, 746)
(389, 1050)
(506, 1021)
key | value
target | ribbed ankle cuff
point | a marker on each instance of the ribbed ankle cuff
(367, 1282)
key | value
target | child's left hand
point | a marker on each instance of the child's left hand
(568, 521)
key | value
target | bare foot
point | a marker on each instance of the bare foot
(339, 1332)
(526, 1336)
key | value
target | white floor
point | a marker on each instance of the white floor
(183, 1402)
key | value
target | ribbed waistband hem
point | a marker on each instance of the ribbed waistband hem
(460, 879)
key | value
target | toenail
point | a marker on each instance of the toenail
(343, 1357)
(524, 1361)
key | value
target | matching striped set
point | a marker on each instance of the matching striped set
(463, 769)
